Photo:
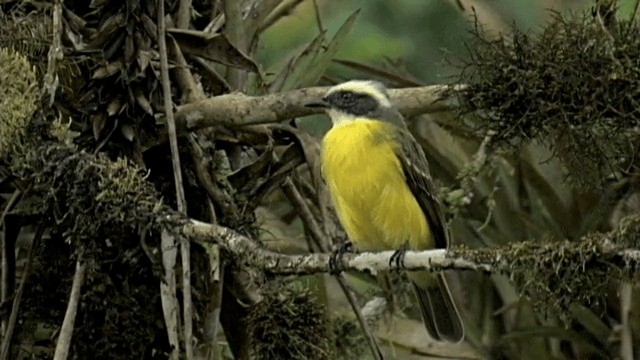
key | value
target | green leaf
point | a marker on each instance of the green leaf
(295, 68)
(591, 322)
(312, 63)
(554, 332)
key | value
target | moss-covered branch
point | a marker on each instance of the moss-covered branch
(511, 259)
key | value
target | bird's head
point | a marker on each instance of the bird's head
(355, 100)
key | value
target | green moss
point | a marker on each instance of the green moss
(101, 209)
(288, 323)
(348, 339)
(555, 274)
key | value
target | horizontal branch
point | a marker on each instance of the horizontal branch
(276, 263)
(248, 251)
(238, 109)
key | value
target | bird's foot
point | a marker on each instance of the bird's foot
(335, 261)
(396, 261)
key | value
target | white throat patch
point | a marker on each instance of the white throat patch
(340, 118)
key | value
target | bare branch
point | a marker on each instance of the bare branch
(169, 300)
(238, 109)
(66, 330)
(51, 80)
(184, 14)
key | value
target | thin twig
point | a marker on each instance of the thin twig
(305, 214)
(8, 256)
(371, 340)
(254, 16)
(177, 173)
(184, 78)
(223, 200)
(6, 340)
(66, 330)
(626, 335)
(51, 79)
(282, 10)
(168, 291)
(316, 11)
(212, 318)
(316, 233)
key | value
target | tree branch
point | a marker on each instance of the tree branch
(492, 261)
(238, 109)
(66, 330)
(281, 264)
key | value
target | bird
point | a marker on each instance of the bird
(379, 182)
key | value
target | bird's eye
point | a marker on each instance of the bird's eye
(346, 96)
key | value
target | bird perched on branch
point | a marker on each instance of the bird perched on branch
(379, 181)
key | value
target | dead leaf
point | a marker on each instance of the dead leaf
(214, 47)
(129, 50)
(108, 28)
(108, 70)
(98, 122)
(142, 100)
(240, 178)
(128, 131)
(114, 107)
(97, 3)
(150, 27)
(290, 159)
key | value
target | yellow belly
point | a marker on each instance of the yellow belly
(368, 188)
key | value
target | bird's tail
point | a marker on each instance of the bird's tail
(439, 312)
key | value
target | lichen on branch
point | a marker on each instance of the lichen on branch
(573, 86)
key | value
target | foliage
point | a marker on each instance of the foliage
(95, 166)
(18, 100)
(574, 87)
(288, 324)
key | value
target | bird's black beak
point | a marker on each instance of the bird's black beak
(321, 104)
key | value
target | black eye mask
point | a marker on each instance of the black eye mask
(352, 103)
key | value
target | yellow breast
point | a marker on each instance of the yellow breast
(369, 189)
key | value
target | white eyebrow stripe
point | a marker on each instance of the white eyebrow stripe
(363, 87)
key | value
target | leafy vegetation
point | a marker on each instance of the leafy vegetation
(542, 150)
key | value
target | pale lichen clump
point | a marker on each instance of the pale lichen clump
(19, 93)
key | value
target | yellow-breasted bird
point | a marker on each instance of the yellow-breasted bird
(379, 181)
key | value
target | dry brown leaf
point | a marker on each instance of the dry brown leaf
(142, 100)
(128, 131)
(107, 30)
(114, 107)
(108, 70)
(98, 122)
(214, 47)
(129, 50)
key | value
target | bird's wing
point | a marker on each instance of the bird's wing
(416, 171)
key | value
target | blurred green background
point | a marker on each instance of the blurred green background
(415, 34)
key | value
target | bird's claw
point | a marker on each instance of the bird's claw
(396, 261)
(335, 261)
